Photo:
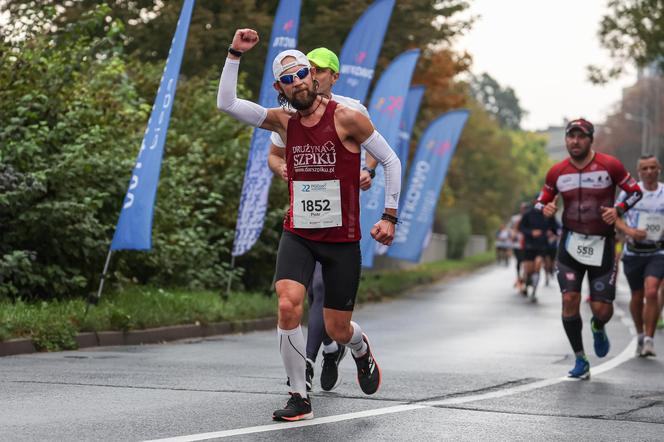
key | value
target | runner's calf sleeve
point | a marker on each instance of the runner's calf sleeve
(356, 343)
(292, 348)
(573, 326)
(227, 101)
(535, 279)
(377, 146)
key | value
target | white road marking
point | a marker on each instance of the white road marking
(624, 356)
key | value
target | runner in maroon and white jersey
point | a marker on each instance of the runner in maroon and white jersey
(323, 142)
(587, 181)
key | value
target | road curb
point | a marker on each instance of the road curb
(147, 336)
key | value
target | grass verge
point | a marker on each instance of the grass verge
(53, 325)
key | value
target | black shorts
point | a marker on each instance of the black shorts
(602, 279)
(531, 254)
(638, 267)
(341, 263)
(551, 252)
(518, 254)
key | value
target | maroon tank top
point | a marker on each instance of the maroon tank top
(316, 154)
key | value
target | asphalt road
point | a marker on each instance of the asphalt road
(466, 359)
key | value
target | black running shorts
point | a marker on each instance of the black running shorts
(531, 254)
(341, 263)
(602, 279)
(638, 267)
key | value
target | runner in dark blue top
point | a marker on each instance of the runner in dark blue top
(535, 228)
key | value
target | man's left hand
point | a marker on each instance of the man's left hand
(365, 180)
(383, 232)
(609, 215)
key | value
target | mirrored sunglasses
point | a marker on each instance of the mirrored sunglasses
(290, 78)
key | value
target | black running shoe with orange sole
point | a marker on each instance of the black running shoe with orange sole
(297, 408)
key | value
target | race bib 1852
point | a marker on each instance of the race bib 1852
(316, 204)
(587, 249)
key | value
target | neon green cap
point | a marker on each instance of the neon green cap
(324, 58)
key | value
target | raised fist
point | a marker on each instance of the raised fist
(244, 39)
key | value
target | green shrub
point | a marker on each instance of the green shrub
(54, 334)
(458, 229)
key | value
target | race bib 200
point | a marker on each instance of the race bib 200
(653, 224)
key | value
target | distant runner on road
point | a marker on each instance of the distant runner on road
(534, 227)
(587, 181)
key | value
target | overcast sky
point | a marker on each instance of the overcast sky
(541, 49)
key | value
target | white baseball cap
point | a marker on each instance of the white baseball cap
(300, 60)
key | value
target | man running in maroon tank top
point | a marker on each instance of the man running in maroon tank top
(323, 143)
(587, 181)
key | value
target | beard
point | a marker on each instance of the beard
(582, 155)
(300, 101)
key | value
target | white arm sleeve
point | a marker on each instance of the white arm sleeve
(377, 146)
(227, 101)
(276, 140)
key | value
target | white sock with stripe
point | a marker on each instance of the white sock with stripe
(292, 349)
(356, 344)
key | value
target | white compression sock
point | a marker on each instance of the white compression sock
(535, 279)
(331, 348)
(292, 349)
(356, 343)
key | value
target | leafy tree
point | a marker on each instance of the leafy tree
(500, 102)
(150, 23)
(72, 118)
(633, 32)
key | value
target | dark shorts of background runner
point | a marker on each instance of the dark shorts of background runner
(518, 254)
(341, 262)
(602, 279)
(551, 252)
(638, 267)
(531, 254)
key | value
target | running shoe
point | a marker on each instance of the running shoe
(329, 375)
(297, 408)
(648, 348)
(533, 295)
(581, 369)
(368, 371)
(639, 346)
(308, 373)
(601, 340)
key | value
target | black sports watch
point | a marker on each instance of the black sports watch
(372, 172)
(235, 52)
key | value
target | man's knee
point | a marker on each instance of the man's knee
(291, 303)
(571, 303)
(651, 288)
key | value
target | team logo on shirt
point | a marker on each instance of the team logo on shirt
(311, 158)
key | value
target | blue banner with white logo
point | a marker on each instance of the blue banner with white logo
(386, 110)
(360, 50)
(427, 174)
(257, 176)
(134, 229)
(412, 107)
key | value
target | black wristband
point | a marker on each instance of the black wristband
(234, 51)
(372, 172)
(390, 218)
(620, 210)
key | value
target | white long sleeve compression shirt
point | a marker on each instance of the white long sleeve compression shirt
(227, 101)
(377, 146)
